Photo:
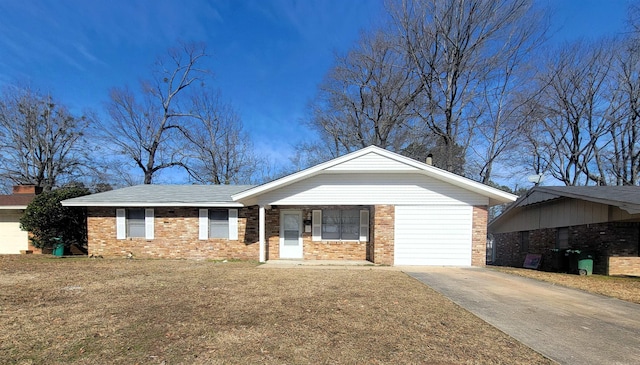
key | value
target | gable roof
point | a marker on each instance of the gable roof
(16, 201)
(626, 198)
(162, 196)
(393, 162)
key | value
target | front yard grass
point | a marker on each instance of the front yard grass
(88, 311)
(625, 288)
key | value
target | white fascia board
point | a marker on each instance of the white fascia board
(149, 205)
(498, 196)
(13, 207)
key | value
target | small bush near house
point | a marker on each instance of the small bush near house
(48, 220)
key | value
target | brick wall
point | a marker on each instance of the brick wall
(509, 252)
(624, 266)
(272, 234)
(175, 236)
(479, 236)
(382, 221)
(313, 250)
(618, 239)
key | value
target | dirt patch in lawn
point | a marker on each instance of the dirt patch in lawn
(625, 288)
(86, 311)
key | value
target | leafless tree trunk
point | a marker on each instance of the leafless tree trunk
(625, 131)
(219, 151)
(455, 47)
(148, 129)
(40, 141)
(576, 121)
(366, 99)
(505, 99)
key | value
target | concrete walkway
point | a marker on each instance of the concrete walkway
(566, 325)
(318, 264)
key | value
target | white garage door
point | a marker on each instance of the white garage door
(12, 238)
(433, 235)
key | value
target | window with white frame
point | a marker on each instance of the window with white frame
(218, 223)
(134, 223)
(348, 224)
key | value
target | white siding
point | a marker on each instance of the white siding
(433, 235)
(372, 162)
(12, 238)
(369, 188)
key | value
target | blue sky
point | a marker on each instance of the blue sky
(268, 55)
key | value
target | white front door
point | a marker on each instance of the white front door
(291, 234)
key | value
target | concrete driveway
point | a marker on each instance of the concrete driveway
(566, 325)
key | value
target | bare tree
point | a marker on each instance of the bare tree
(455, 47)
(366, 98)
(505, 99)
(624, 156)
(40, 140)
(148, 129)
(576, 118)
(219, 151)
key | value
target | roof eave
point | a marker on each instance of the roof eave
(495, 196)
(155, 205)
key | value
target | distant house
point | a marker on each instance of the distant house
(371, 204)
(14, 240)
(604, 220)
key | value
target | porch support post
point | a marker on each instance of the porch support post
(261, 225)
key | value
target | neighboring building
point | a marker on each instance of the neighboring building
(14, 240)
(371, 204)
(603, 220)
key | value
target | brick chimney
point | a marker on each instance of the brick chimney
(26, 189)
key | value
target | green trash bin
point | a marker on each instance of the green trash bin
(58, 248)
(580, 262)
(585, 264)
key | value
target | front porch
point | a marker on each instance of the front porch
(300, 234)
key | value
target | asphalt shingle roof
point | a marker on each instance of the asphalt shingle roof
(624, 197)
(162, 195)
(608, 194)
